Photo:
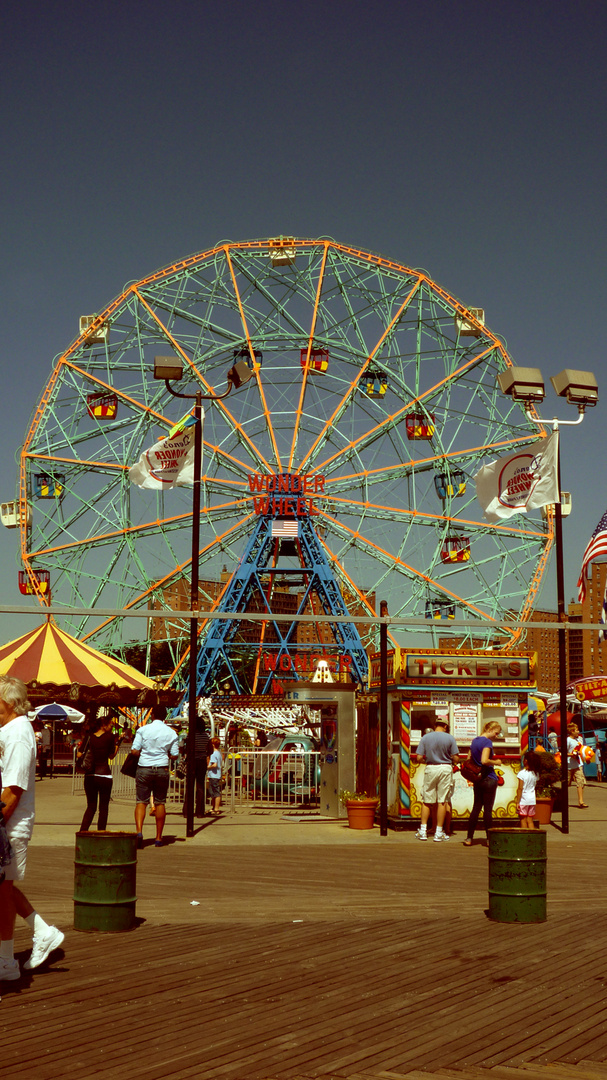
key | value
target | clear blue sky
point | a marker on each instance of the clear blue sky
(466, 138)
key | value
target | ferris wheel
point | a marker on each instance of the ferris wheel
(373, 392)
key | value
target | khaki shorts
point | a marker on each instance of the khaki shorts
(15, 870)
(438, 784)
(576, 776)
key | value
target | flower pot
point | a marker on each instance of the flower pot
(361, 813)
(543, 810)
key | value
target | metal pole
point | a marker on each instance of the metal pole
(562, 617)
(236, 377)
(190, 779)
(383, 724)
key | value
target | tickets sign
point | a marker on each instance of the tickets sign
(462, 668)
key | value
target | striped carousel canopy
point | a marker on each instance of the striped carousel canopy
(48, 658)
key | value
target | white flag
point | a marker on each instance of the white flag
(168, 463)
(520, 482)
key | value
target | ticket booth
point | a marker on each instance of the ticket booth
(334, 704)
(468, 689)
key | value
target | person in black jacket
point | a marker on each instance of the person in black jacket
(98, 782)
(202, 752)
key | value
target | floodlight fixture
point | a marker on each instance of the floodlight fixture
(239, 374)
(579, 387)
(168, 367)
(522, 383)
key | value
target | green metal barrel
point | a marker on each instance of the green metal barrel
(517, 875)
(105, 876)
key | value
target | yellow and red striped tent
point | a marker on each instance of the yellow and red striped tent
(49, 659)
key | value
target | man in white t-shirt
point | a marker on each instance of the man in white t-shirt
(18, 764)
(575, 763)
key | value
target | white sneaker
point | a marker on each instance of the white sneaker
(9, 970)
(443, 836)
(43, 947)
(421, 835)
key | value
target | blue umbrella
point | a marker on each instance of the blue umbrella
(58, 712)
(53, 712)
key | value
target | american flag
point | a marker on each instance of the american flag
(597, 545)
(285, 527)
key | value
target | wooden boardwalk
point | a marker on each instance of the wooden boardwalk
(317, 961)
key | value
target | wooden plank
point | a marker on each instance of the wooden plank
(369, 972)
(545, 1043)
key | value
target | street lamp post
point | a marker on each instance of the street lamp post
(167, 368)
(579, 388)
(383, 719)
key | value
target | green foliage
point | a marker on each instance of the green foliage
(161, 656)
(355, 796)
(550, 774)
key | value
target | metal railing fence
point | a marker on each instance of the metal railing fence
(252, 779)
(124, 786)
(262, 778)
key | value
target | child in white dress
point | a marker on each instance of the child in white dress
(525, 795)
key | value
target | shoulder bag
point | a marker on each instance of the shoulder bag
(130, 763)
(470, 770)
(84, 758)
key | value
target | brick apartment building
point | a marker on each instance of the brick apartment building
(284, 596)
(586, 656)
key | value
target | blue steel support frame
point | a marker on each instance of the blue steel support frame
(218, 648)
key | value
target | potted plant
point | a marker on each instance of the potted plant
(361, 808)
(546, 789)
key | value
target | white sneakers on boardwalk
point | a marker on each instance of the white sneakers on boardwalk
(43, 947)
(437, 839)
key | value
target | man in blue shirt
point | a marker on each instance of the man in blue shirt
(156, 743)
(439, 750)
